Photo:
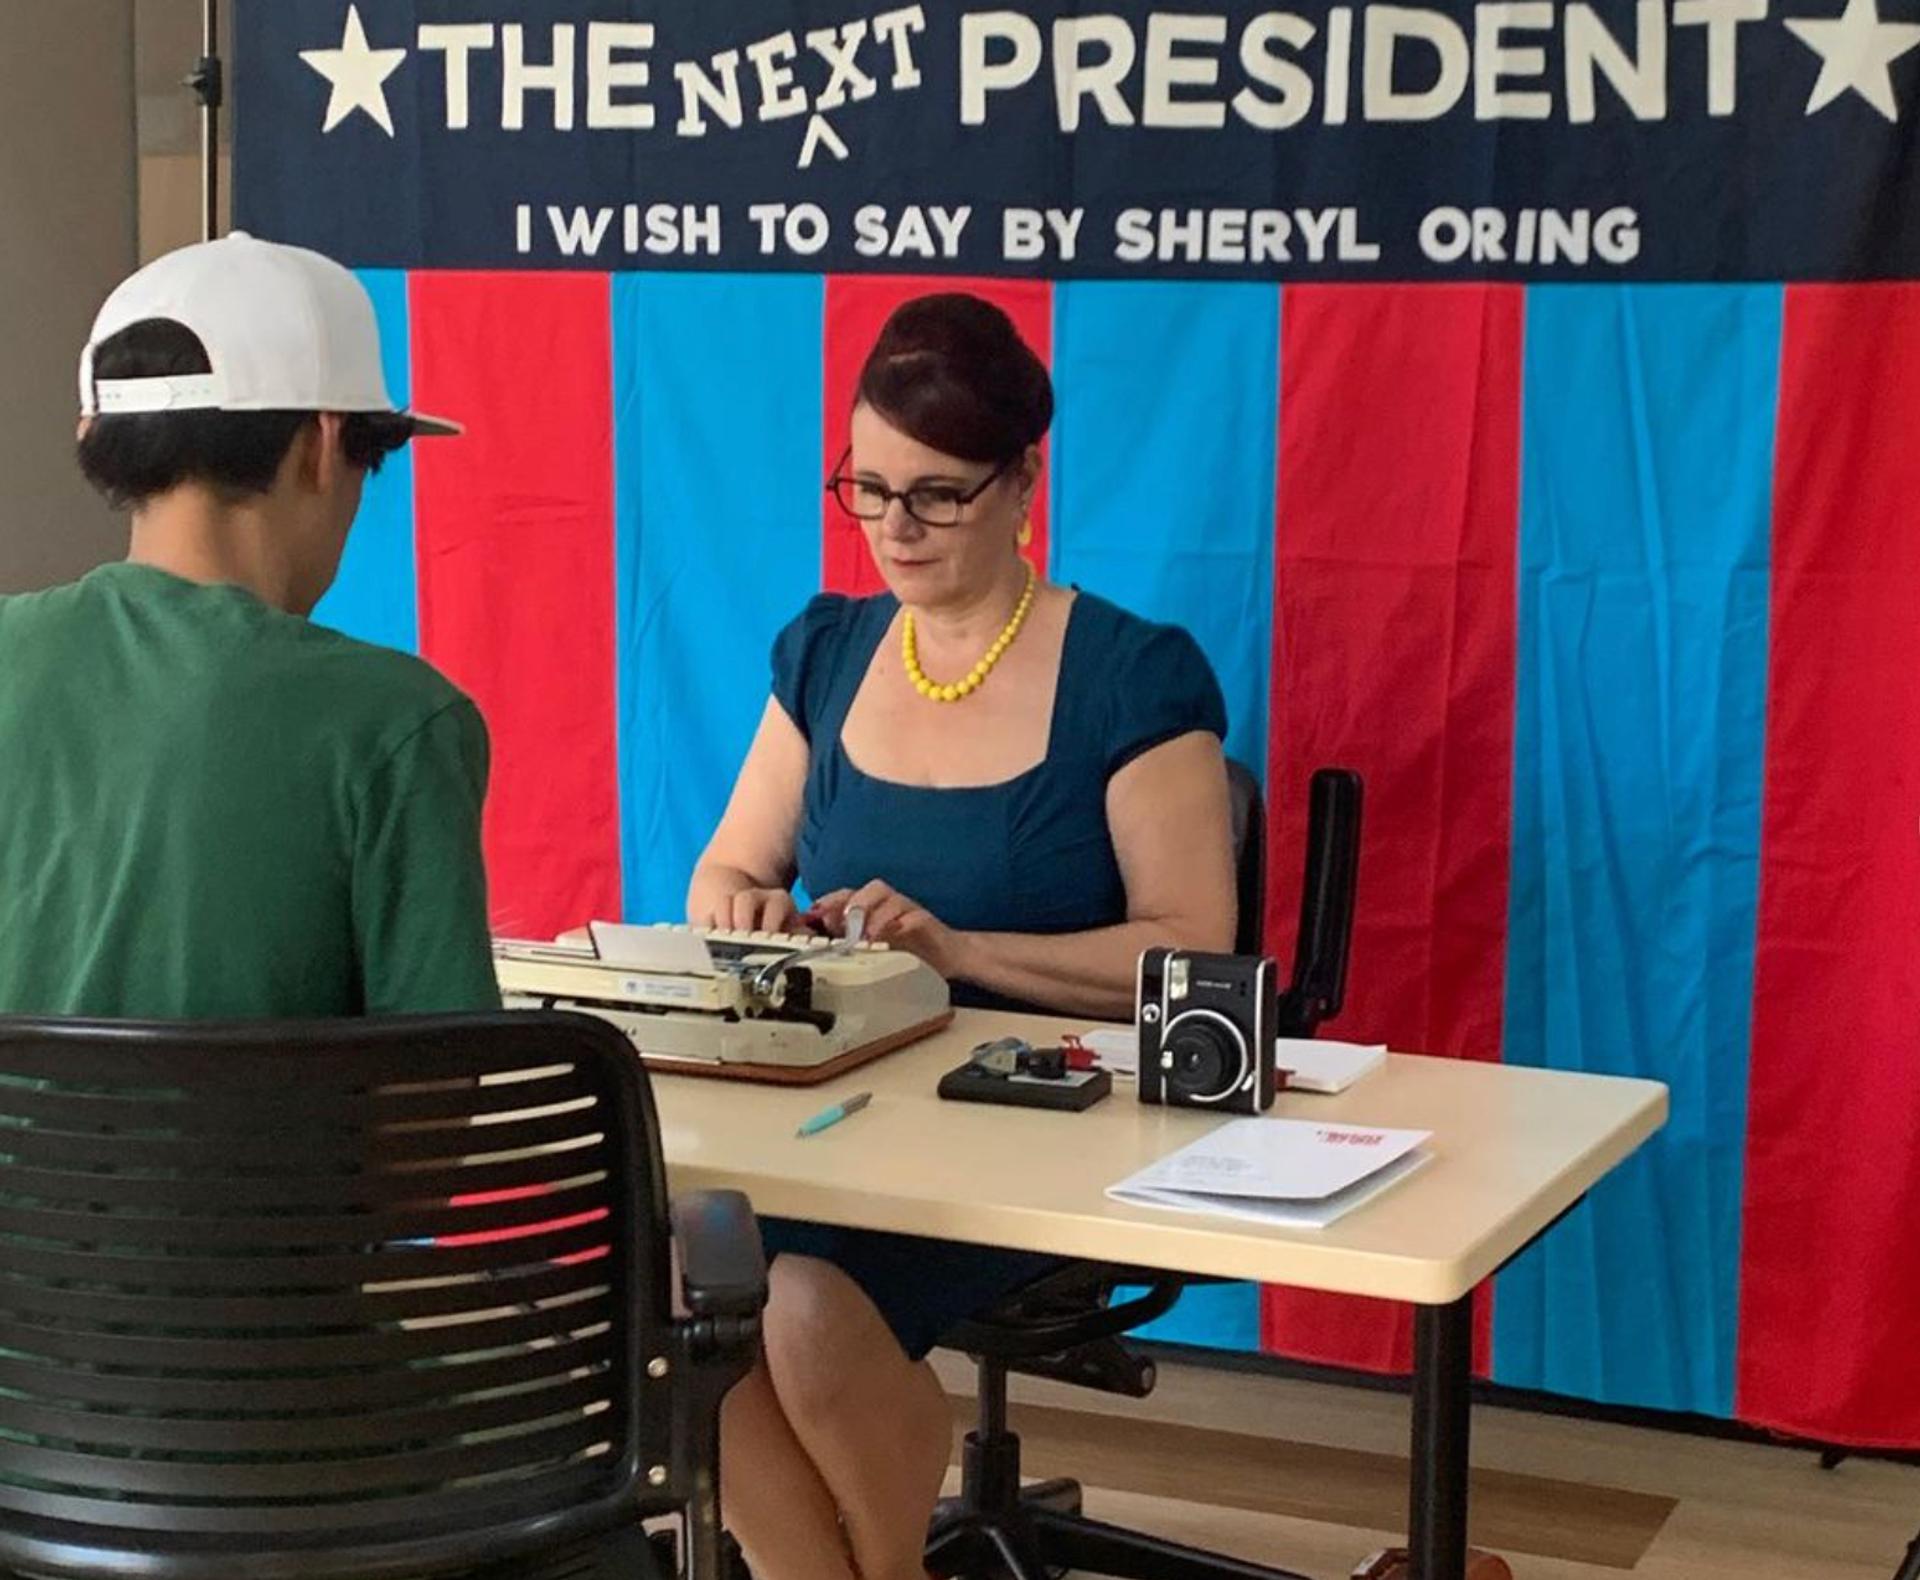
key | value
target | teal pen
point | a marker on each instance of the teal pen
(833, 1115)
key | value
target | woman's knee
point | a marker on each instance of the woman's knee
(805, 1294)
(822, 1333)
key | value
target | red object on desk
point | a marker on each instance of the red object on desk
(1079, 1055)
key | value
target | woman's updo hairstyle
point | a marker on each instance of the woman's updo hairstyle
(952, 372)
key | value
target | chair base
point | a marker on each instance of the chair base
(1041, 1531)
(1396, 1563)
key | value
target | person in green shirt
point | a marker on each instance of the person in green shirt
(210, 807)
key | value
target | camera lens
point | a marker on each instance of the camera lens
(1207, 1057)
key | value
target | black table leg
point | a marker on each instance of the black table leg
(1442, 1415)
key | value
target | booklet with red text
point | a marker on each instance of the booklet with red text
(1293, 1172)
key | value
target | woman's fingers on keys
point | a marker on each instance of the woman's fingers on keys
(828, 913)
(778, 913)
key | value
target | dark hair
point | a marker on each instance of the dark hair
(137, 456)
(952, 372)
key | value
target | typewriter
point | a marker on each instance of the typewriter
(785, 1007)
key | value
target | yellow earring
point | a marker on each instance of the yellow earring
(1026, 533)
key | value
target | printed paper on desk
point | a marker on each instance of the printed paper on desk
(1283, 1171)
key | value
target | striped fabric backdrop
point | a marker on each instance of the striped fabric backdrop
(1611, 593)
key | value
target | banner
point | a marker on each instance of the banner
(1511, 139)
(1515, 400)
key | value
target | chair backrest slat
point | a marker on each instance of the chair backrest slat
(113, 1264)
(287, 1146)
(23, 1183)
(291, 1232)
(191, 1310)
(307, 1534)
(240, 1397)
(367, 1430)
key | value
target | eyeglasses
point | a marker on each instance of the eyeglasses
(930, 504)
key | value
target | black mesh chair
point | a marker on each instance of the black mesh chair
(1068, 1326)
(355, 1299)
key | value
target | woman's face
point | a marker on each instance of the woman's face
(927, 565)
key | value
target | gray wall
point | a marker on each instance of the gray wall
(68, 235)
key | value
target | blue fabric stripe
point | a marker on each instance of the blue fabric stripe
(1166, 507)
(1644, 562)
(717, 394)
(374, 597)
(1213, 1316)
(1163, 467)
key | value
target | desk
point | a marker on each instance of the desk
(1514, 1149)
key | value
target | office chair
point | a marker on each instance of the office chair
(1067, 1327)
(355, 1300)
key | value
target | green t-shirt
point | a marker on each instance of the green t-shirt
(211, 809)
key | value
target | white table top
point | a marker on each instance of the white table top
(1513, 1149)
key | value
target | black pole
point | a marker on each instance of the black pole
(209, 87)
(1442, 1415)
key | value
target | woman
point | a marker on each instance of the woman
(1020, 783)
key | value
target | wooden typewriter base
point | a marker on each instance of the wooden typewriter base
(798, 1074)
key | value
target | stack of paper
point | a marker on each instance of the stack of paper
(1281, 1171)
(1317, 1066)
(1117, 1048)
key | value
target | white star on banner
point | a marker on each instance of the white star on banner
(1857, 51)
(358, 75)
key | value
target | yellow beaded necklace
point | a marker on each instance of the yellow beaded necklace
(933, 690)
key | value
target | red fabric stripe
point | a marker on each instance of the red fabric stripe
(1394, 654)
(1830, 1279)
(857, 307)
(515, 549)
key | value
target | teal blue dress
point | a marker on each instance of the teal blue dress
(1032, 854)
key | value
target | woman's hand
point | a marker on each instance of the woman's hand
(740, 881)
(751, 910)
(892, 918)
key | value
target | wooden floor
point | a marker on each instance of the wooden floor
(1313, 1476)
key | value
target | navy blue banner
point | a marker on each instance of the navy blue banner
(1525, 139)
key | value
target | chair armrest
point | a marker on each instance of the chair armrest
(723, 1267)
(723, 1284)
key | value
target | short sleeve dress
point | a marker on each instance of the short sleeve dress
(1032, 854)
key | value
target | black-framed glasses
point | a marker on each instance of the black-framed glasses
(930, 504)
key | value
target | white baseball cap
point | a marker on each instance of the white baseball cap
(284, 329)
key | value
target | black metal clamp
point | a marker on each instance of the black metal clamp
(208, 82)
